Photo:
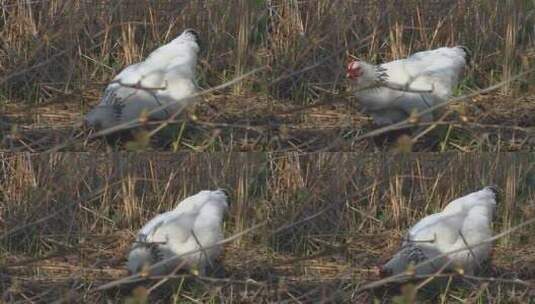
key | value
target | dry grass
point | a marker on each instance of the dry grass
(56, 57)
(67, 221)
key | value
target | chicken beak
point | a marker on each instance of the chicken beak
(383, 273)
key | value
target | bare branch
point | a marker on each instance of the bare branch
(470, 249)
(138, 86)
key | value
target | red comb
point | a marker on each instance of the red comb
(352, 73)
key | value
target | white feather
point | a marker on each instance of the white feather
(195, 223)
(384, 90)
(169, 71)
(464, 221)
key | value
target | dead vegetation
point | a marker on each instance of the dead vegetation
(68, 219)
(57, 56)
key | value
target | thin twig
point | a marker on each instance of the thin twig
(166, 277)
(434, 275)
(138, 86)
(203, 250)
(469, 249)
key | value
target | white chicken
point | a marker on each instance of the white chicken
(391, 91)
(165, 78)
(195, 224)
(462, 224)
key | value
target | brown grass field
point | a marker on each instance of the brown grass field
(305, 225)
(68, 220)
(57, 56)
